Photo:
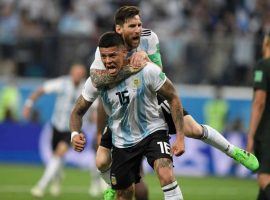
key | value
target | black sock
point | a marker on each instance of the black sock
(261, 195)
(267, 192)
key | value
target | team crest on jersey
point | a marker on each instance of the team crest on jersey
(136, 82)
(113, 180)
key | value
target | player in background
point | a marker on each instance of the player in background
(134, 118)
(258, 135)
(67, 89)
(144, 45)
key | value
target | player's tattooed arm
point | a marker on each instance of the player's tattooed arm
(77, 113)
(102, 78)
(168, 91)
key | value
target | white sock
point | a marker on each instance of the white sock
(50, 172)
(172, 191)
(215, 139)
(59, 174)
(106, 175)
(94, 176)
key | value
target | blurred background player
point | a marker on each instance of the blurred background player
(258, 135)
(67, 89)
(141, 43)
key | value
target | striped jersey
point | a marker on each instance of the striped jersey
(66, 96)
(148, 42)
(132, 106)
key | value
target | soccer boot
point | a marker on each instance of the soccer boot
(37, 192)
(245, 158)
(55, 188)
(109, 194)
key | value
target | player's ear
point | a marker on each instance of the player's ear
(118, 29)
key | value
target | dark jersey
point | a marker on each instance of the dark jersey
(262, 81)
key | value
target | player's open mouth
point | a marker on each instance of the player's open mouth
(111, 69)
(137, 38)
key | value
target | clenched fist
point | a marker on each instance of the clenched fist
(78, 142)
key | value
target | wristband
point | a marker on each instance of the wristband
(73, 134)
(29, 103)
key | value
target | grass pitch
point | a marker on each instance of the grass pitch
(16, 181)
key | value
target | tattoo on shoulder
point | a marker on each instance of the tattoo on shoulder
(102, 78)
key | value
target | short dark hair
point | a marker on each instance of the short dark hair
(110, 39)
(124, 13)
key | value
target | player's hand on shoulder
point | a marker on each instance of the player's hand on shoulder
(178, 147)
(78, 142)
(139, 59)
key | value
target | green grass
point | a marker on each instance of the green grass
(16, 181)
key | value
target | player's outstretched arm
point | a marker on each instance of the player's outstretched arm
(30, 102)
(169, 92)
(78, 140)
(102, 78)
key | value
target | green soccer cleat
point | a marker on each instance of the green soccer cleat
(109, 194)
(245, 158)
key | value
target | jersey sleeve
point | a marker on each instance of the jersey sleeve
(54, 85)
(89, 92)
(260, 77)
(97, 63)
(154, 77)
(154, 50)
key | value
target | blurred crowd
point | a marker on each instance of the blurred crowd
(202, 41)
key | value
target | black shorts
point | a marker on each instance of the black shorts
(167, 113)
(261, 151)
(60, 136)
(126, 162)
(106, 138)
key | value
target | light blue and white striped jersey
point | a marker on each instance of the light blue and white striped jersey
(66, 96)
(132, 106)
(149, 43)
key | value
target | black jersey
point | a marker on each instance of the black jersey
(262, 82)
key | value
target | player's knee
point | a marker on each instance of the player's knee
(193, 130)
(61, 149)
(164, 170)
(103, 159)
(166, 177)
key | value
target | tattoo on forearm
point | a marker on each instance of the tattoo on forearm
(78, 112)
(168, 91)
(177, 114)
(102, 78)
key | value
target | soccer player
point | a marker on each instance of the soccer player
(144, 46)
(258, 135)
(134, 119)
(67, 89)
